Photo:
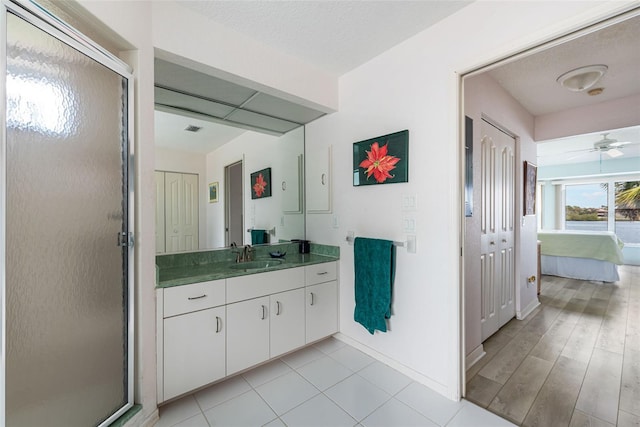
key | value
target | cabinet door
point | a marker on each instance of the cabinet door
(318, 180)
(194, 350)
(287, 328)
(248, 334)
(321, 310)
(291, 174)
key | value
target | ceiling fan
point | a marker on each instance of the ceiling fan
(611, 147)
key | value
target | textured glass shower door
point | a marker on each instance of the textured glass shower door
(66, 273)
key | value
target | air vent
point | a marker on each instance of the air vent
(192, 128)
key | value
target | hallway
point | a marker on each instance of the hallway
(574, 361)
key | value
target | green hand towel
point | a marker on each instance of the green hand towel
(258, 237)
(374, 261)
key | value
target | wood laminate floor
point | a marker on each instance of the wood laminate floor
(573, 362)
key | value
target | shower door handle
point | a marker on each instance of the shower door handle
(125, 239)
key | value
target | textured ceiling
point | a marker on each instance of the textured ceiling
(532, 80)
(335, 36)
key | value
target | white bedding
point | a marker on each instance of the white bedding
(580, 268)
(584, 255)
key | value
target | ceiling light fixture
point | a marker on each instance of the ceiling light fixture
(614, 152)
(595, 91)
(582, 78)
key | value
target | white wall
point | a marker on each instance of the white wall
(168, 160)
(615, 114)
(414, 86)
(258, 151)
(237, 58)
(483, 95)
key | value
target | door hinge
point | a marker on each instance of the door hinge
(125, 239)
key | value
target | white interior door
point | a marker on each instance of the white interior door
(181, 211)
(234, 205)
(497, 257)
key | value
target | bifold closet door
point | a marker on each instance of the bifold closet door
(497, 229)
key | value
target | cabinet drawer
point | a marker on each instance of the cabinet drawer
(320, 273)
(260, 284)
(198, 296)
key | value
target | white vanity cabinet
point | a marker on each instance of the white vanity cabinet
(194, 350)
(210, 330)
(261, 311)
(248, 337)
(321, 301)
(286, 328)
(193, 337)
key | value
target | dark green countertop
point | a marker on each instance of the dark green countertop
(168, 276)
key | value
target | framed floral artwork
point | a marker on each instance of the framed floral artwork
(530, 180)
(381, 160)
(261, 184)
(213, 192)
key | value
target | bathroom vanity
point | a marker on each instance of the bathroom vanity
(224, 318)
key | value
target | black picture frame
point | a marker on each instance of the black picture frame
(468, 166)
(530, 179)
(261, 184)
(381, 160)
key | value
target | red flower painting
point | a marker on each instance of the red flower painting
(260, 185)
(378, 163)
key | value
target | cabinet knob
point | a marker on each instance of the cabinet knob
(311, 298)
(198, 297)
(284, 186)
(264, 312)
(323, 179)
(278, 310)
(218, 324)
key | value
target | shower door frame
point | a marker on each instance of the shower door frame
(34, 14)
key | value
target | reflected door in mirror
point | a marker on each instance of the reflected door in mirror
(176, 212)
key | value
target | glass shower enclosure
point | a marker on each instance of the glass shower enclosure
(65, 212)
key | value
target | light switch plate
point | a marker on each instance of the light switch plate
(409, 202)
(408, 224)
(411, 244)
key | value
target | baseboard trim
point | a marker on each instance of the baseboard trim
(414, 375)
(151, 420)
(520, 315)
(473, 357)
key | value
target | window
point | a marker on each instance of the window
(609, 204)
(627, 211)
(586, 207)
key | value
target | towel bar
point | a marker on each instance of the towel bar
(398, 244)
(271, 231)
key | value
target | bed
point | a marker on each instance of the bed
(585, 255)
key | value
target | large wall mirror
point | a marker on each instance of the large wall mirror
(229, 162)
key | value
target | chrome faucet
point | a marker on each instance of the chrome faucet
(246, 253)
(239, 253)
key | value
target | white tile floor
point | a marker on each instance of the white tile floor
(329, 384)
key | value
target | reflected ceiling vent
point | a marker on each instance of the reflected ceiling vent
(192, 128)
